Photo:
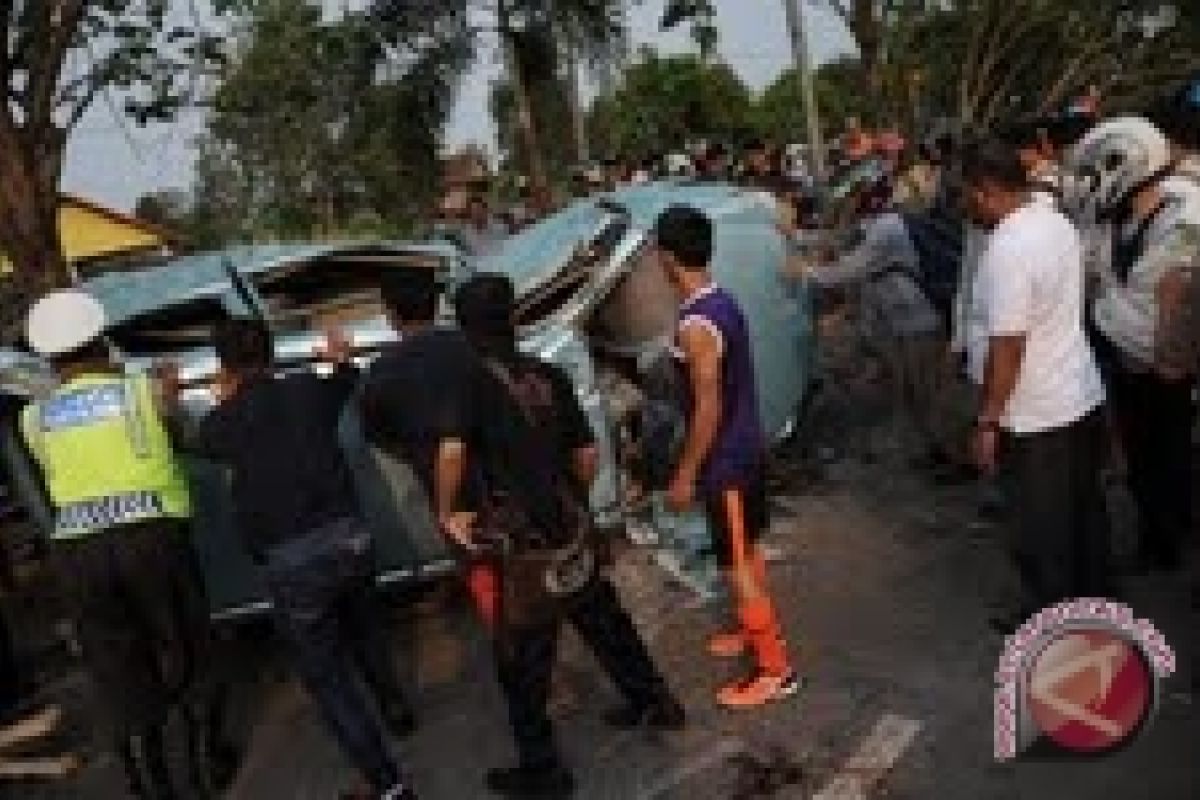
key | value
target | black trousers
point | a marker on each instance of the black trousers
(1155, 419)
(526, 661)
(1062, 531)
(138, 602)
(332, 622)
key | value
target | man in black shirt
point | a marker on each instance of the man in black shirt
(296, 509)
(433, 400)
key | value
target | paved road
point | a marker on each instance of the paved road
(886, 585)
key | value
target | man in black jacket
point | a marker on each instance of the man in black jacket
(436, 401)
(297, 513)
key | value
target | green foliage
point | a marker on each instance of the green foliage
(779, 112)
(318, 129)
(663, 102)
(980, 61)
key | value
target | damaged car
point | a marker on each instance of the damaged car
(593, 300)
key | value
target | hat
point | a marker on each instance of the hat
(63, 322)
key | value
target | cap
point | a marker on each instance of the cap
(64, 321)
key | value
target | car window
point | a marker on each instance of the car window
(175, 329)
(341, 290)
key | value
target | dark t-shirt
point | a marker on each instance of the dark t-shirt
(279, 435)
(434, 386)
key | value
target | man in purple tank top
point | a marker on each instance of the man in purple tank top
(723, 460)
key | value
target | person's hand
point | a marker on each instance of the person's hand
(337, 348)
(681, 494)
(986, 449)
(459, 526)
(224, 384)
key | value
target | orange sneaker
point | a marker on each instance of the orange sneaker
(759, 690)
(728, 645)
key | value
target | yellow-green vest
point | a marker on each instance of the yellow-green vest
(106, 455)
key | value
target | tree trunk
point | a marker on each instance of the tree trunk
(526, 123)
(578, 117)
(868, 32)
(30, 167)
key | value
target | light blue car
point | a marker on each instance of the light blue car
(593, 301)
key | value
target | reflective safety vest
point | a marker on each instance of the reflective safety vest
(106, 456)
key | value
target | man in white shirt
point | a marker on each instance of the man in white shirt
(1042, 395)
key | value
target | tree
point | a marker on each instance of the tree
(57, 57)
(318, 128)
(549, 99)
(979, 61)
(779, 112)
(663, 102)
(595, 29)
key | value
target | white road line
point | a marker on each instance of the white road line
(877, 754)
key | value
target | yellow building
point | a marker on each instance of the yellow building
(95, 237)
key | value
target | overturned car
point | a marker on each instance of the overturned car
(593, 300)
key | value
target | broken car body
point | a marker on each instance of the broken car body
(593, 300)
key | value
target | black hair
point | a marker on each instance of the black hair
(485, 307)
(244, 345)
(94, 352)
(411, 295)
(991, 160)
(687, 234)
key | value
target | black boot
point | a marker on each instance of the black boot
(146, 769)
(532, 783)
(213, 759)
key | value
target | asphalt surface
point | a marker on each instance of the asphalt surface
(886, 581)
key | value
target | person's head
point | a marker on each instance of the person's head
(1032, 142)
(485, 307)
(994, 180)
(66, 327)
(244, 346)
(683, 239)
(410, 296)
(758, 157)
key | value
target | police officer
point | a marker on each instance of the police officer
(121, 536)
(1127, 164)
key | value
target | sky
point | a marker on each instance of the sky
(114, 162)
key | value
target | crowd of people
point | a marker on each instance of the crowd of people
(1046, 270)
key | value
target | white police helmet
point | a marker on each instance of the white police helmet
(1113, 161)
(64, 321)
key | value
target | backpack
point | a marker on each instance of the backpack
(938, 236)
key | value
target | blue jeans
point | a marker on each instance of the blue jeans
(325, 610)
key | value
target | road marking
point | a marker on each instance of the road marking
(876, 756)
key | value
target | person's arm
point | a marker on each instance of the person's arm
(449, 475)
(702, 349)
(580, 439)
(1010, 295)
(585, 462)
(878, 251)
(338, 351)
